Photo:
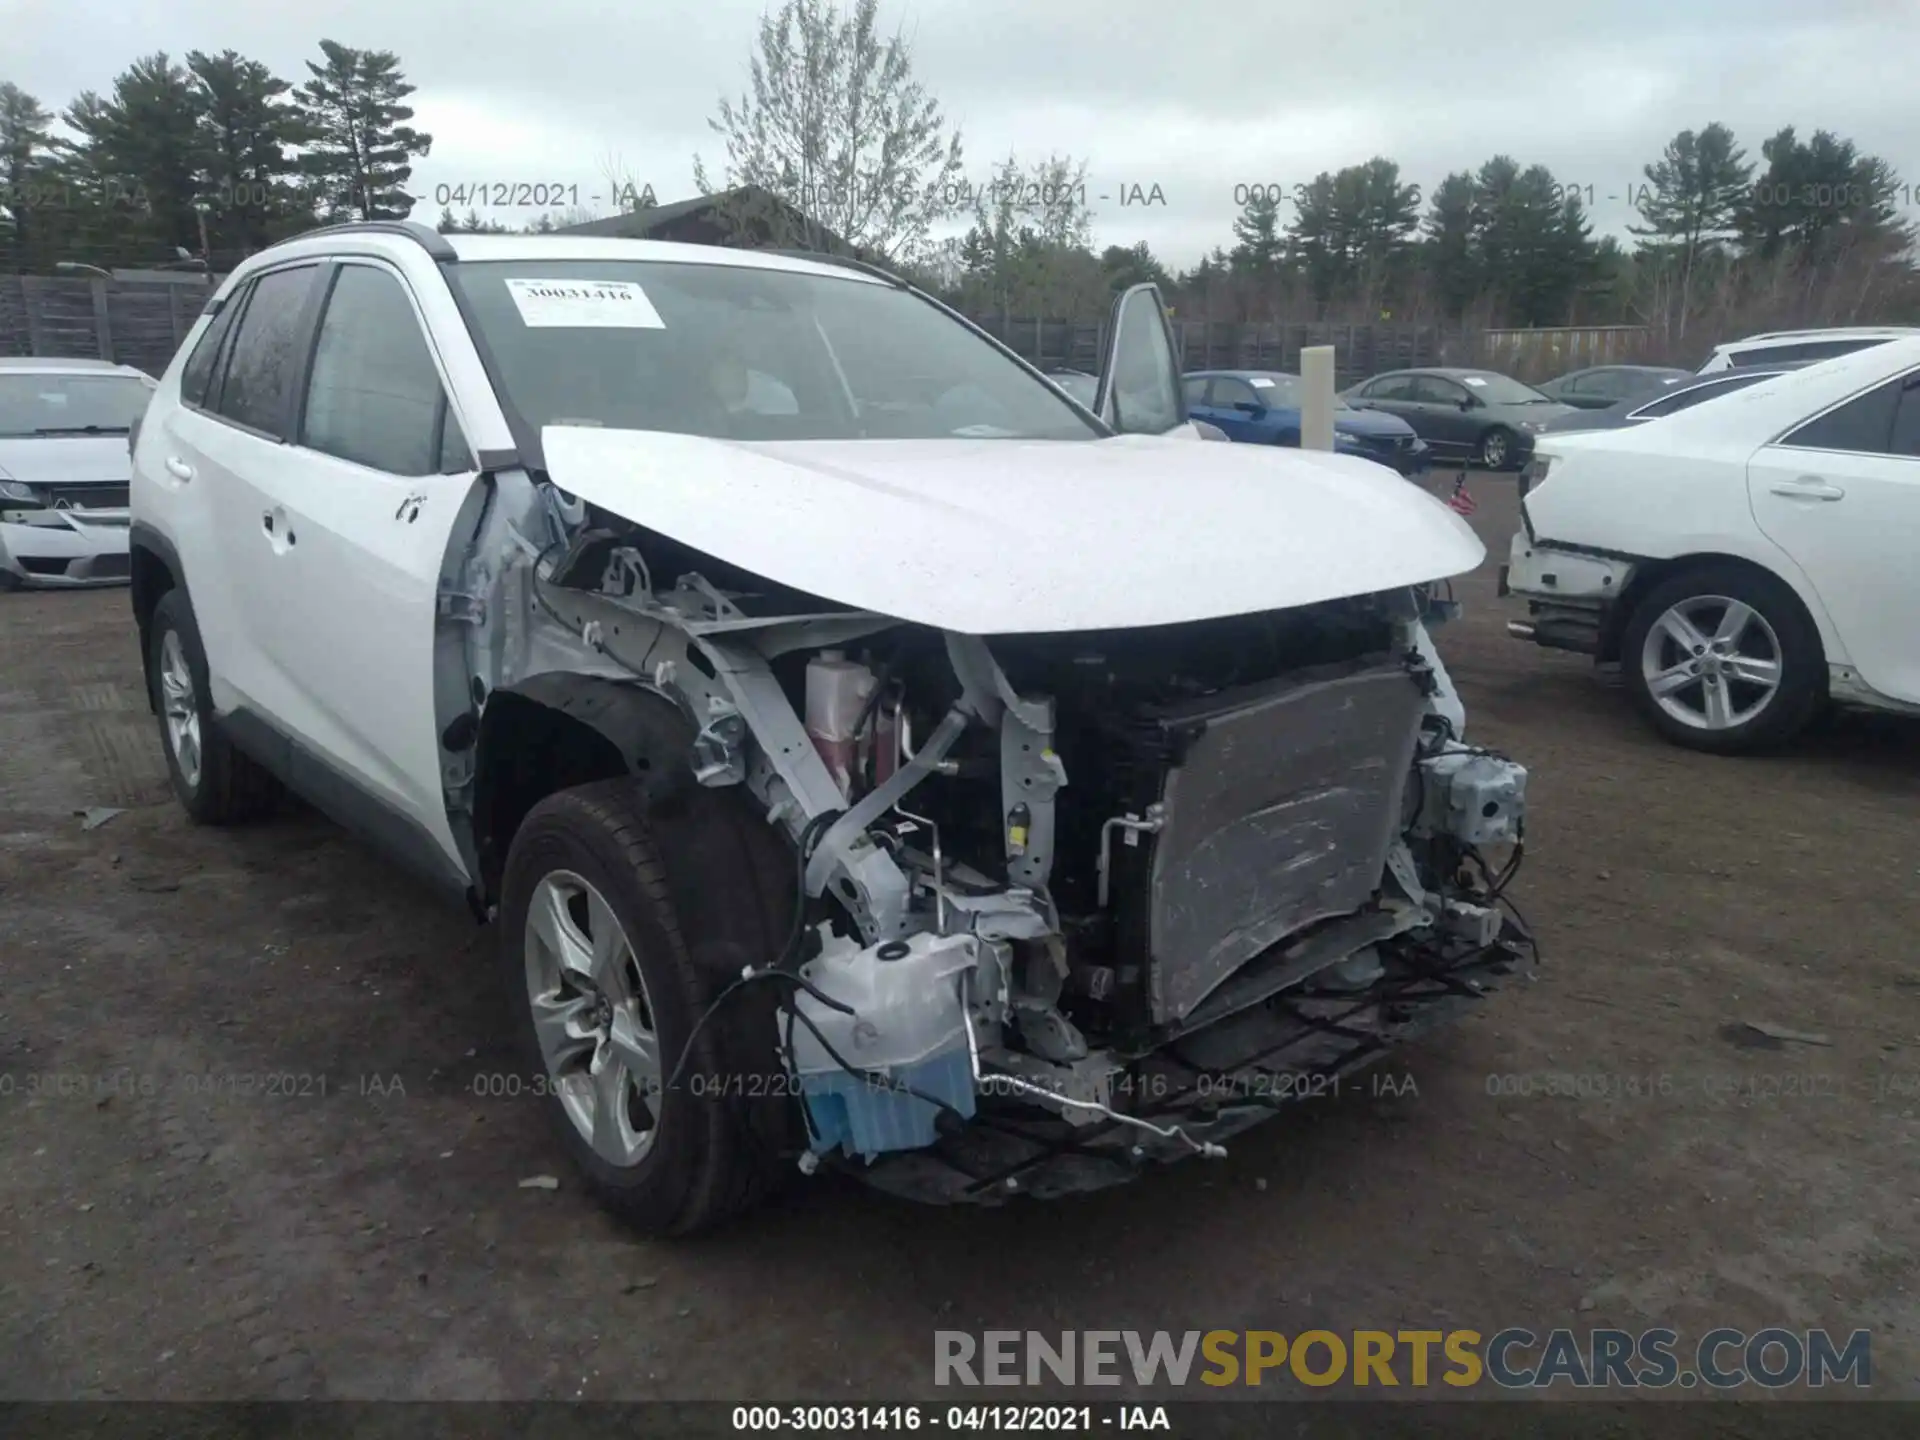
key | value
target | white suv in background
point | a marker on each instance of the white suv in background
(843, 724)
(1782, 348)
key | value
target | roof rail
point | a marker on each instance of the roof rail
(845, 262)
(430, 239)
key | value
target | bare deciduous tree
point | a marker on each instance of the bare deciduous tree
(834, 123)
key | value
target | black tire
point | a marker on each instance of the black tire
(1495, 450)
(227, 787)
(702, 888)
(1802, 689)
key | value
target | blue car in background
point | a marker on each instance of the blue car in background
(1262, 407)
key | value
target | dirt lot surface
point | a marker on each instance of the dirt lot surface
(167, 1229)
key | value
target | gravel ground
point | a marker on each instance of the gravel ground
(168, 1229)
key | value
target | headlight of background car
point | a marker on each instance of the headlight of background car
(17, 490)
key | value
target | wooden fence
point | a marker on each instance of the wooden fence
(142, 324)
(133, 322)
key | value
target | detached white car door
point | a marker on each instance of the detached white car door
(356, 522)
(1841, 495)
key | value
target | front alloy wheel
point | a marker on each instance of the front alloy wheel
(592, 1018)
(1495, 447)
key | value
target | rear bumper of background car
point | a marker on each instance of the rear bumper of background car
(59, 549)
(1570, 595)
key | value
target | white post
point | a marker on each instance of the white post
(1316, 397)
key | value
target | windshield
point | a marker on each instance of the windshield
(1083, 388)
(742, 353)
(1500, 390)
(1277, 389)
(55, 404)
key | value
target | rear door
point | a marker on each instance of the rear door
(1394, 394)
(1197, 388)
(1841, 495)
(228, 431)
(353, 527)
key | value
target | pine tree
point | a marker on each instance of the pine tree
(1690, 203)
(248, 127)
(1260, 248)
(361, 146)
(26, 155)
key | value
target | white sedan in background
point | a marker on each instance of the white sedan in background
(1745, 561)
(64, 470)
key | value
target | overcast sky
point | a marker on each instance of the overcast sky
(1272, 91)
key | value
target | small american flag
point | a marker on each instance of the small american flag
(1460, 501)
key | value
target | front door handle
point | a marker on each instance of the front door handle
(1808, 487)
(179, 468)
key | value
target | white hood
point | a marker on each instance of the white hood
(65, 459)
(993, 537)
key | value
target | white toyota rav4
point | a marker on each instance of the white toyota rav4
(869, 756)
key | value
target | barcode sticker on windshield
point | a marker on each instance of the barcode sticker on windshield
(585, 304)
(1263, 382)
(1472, 380)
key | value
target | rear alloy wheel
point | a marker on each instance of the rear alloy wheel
(1724, 659)
(1496, 448)
(214, 782)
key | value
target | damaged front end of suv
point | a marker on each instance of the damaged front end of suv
(1071, 902)
(1113, 793)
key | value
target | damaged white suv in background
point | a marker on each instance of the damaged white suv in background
(870, 757)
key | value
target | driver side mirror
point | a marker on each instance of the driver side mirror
(1467, 402)
(1250, 407)
(1141, 391)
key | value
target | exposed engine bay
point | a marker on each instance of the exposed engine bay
(1072, 902)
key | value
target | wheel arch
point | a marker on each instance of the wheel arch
(153, 567)
(553, 731)
(1650, 573)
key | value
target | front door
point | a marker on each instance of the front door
(356, 522)
(1445, 419)
(1841, 495)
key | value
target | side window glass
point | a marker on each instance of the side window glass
(198, 373)
(1399, 387)
(266, 351)
(455, 455)
(1864, 424)
(1906, 419)
(1234, 392)
(1196, 389)
(374, 396)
